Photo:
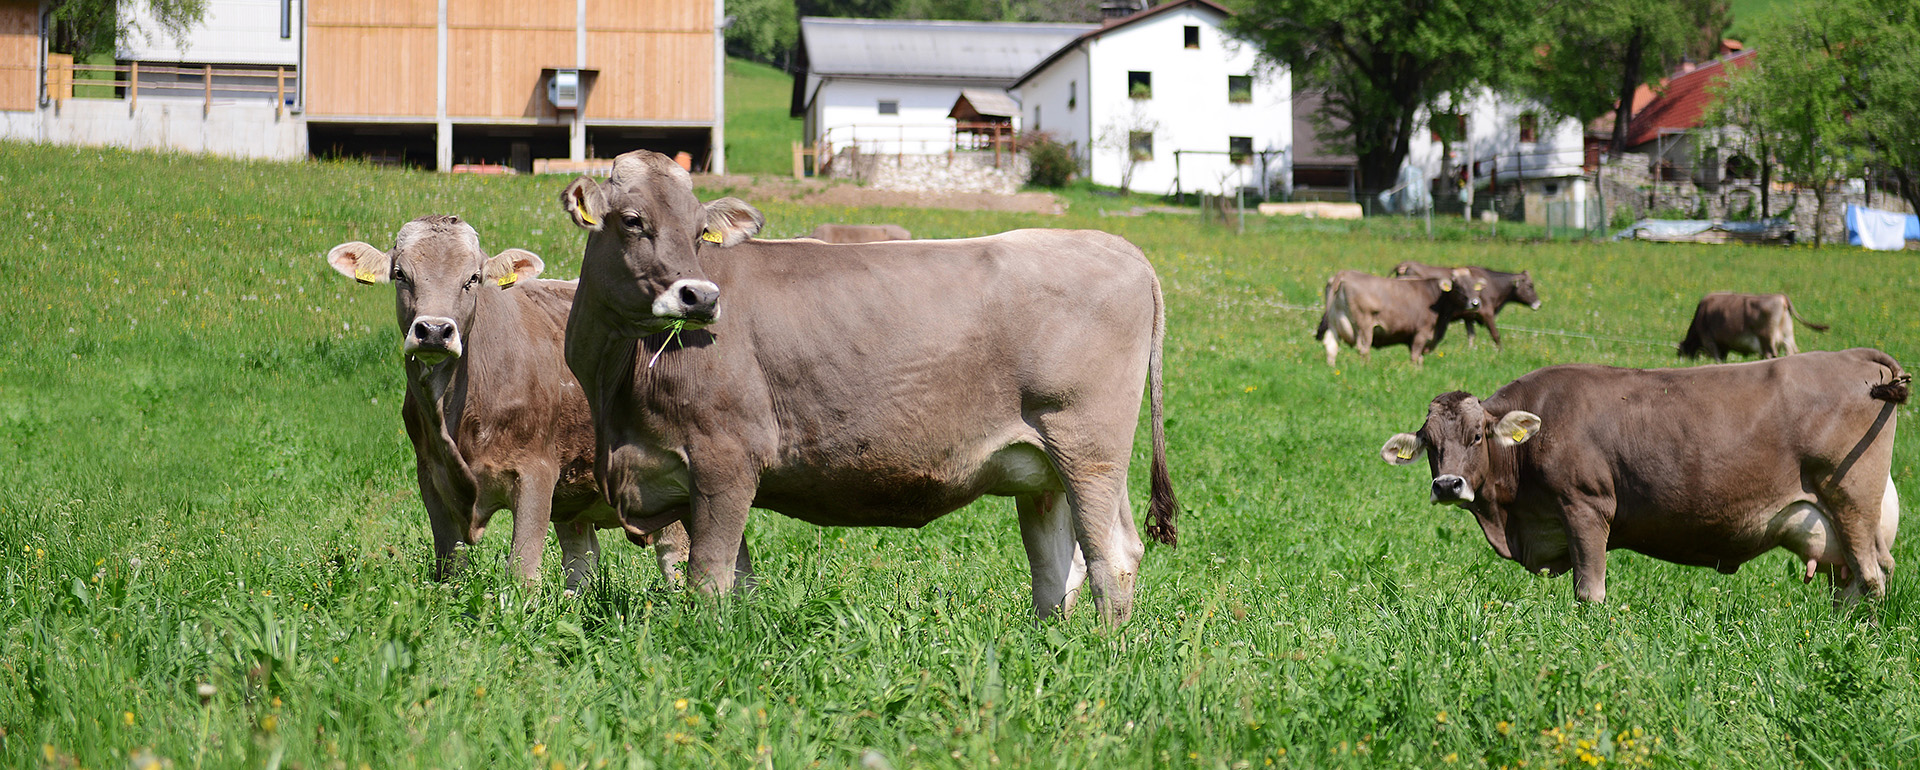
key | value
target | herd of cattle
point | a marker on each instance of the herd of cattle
(859, 378)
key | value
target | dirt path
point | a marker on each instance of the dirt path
(813, 192)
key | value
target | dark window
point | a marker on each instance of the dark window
(1073, 93)
(1036, 117)
(1239, 89)
(889, 106)
(1240, 148)
(1140, 145)
(1742, 167)
(1529, 127)
(1193, 37)
(1140, 85)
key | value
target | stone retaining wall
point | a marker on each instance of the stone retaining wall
(1628, 184)
(970, 172)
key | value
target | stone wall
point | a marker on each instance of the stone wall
(972, 172)
(1632, 193)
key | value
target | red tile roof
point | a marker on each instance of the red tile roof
(1683, 100)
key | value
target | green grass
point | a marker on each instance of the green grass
(203, 479)
(760, 135)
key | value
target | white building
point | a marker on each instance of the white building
(1168, 92)
(887, 85)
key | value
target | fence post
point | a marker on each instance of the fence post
(279, 91)
(133, 86)
(799, 166)
(206, 107)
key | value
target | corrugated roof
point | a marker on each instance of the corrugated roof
(1684, 100)
(940, 50)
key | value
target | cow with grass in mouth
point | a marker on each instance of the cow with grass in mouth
(880, 384)
(496, 420)
(1710, 466)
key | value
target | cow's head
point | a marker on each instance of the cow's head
(438, 272)
(646, 230)
(1459, 439)
(1523, 290)
(1459, 289)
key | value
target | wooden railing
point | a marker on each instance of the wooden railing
(62, 83)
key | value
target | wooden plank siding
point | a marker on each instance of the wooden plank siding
(19, 55)
(378, 58)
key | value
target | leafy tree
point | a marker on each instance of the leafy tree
(762, 30)
(1378, 64)
(1601, 51)
(87, 28)
(1887, 57)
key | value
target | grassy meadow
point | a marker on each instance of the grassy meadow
(204, 480)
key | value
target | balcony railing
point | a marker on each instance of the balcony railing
(66, 80)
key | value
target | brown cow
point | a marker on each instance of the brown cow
(1496, 288)
(497, 421)
(1366, 310)
(879, 384)
(1754, 324)
(1710, 466)
(831, 233)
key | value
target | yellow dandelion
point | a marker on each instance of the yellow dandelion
(1503, 726)
(1451, 758)
(680, 705)
(269, 723)
(539, 749)
(127, 717)
(1440, 717)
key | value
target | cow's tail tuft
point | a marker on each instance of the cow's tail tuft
(1161, 505)
(1898, 386)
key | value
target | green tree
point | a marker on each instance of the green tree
(762, 30)
(87, 28)
(1797, 103)
(1601, 51)
(1887, 58)
(1378, 64)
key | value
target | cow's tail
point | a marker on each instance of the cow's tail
(1897, 387)
(1161, 505)
(1796, 317)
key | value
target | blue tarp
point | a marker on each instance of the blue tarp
(1881, 230)
(1676, 229)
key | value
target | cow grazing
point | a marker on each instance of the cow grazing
(831, 233)
(1754, 324)
(881, 384)
(1365, 310)
(1496, 288)
(496, 420)
(1710, 466)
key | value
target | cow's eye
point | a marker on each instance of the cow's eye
(1477, 438)
(471, 282)
(399, 276)
(632, 221)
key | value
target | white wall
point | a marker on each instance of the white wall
(248, 130)
(1493, 123)
(847, 112)
(233, 32)
(1051, 92)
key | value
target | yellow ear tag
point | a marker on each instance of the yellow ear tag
(711, 235)
(1404, 453)
(508, 279)
(365, 277)
(1479, 285)
(584, 216)
(1519, 435)
(1446, 285)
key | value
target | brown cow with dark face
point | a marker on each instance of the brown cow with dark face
(1497, 288)
(1710, 466)
(879, 384)
(496, 420)
(1754, 324)
(1365, 310)
(832, 233)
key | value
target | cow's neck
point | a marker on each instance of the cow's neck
(442, 390)
(1492, 498)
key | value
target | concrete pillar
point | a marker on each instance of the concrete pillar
(443, 129)
(577, 129)
(719, 165)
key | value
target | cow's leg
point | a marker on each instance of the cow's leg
(716, 524)
(1363, 339)
(449, 559)
(1587, 530)
(579, 550)
(1493, 332)
(532, 511)
(1053, 551)
(1332, 345)
(1856, 506)
(1418, 347)
(670, 550)
(1469, 323)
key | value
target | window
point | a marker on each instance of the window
(1073, 93)
(889, 106)
(1529, 127)
(1193, 37)
(1447, 121)
(1036, 117)
(1239, 89)
(1240, 149)
(1140, 145)
(1140, 85)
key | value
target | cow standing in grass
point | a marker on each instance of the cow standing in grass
(881, 384)
(1754, 324)
(496, 420)
(1366, 311)
(1496, 289)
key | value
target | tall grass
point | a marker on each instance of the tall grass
(203, 480)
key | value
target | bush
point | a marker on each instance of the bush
(1050, 163)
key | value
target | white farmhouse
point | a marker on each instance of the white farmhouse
(1165, 101)
(887, 85)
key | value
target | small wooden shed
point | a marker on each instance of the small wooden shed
(983, 118)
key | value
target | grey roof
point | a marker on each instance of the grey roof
(943, 50)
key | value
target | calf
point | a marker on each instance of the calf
(1754, 324)
(1496, 289)
(496, 420)
(860, 233)
(1365, 310)
(1710, 466)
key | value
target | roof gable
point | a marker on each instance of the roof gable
(1115, 24)
(1680, 106)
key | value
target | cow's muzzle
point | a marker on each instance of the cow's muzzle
(433, 339)
(691, 300)
(1451, 490)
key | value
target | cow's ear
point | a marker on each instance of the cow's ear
(585, 202)
(1516, 427)
(1446, 285)
(731, 220)
(1403, 449)
(510, 267)
(361, 262)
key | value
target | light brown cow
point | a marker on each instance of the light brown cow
(880, 384)
(496, 420)
(832, 233)
(1754, 324)
(1365, 310)
(1497, 288)
(1710, 466)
